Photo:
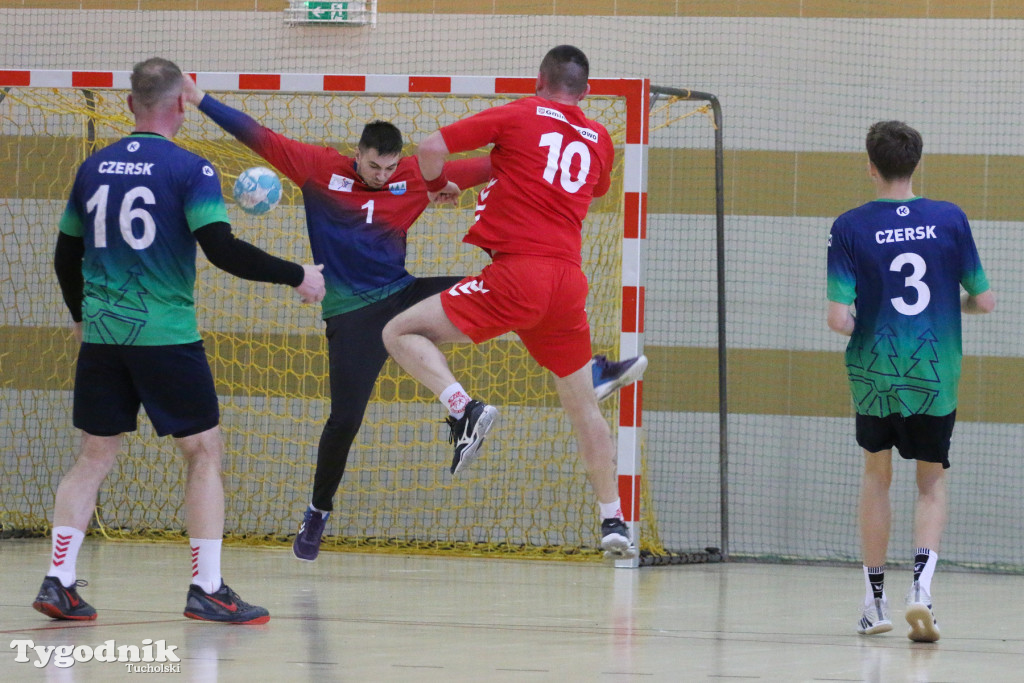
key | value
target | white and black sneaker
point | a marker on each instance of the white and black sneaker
(874, 617)
(468, 432)
(615, 540)
(924, 628)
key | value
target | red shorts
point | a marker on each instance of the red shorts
(543, 300)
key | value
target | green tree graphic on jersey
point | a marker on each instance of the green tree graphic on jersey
(879, 389)
(885, 353)
(926, 359)
(119, 322)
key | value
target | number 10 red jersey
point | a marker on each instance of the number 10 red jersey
(548, 163)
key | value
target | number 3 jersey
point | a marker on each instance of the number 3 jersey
(901, 263)
(548, 163)
(136, 203)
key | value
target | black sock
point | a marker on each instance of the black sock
(920, 560)
(876, 577)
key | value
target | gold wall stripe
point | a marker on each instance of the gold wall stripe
(757, 182)
(679, 379)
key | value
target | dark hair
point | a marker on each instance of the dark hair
(566, 69)
(153, 80)
(381, 136)
(894, 148)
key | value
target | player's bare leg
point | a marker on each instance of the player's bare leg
(930, 514)
(931, 509)
(76, 494)
(75, 503)
(411, 338)
(576, 392)
(875, 510)
(875, 516)
(204, 487)
(209, 598)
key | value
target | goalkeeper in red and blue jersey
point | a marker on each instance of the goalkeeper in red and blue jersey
(902, 260)
(358, 214)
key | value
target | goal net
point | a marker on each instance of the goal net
(527, 494)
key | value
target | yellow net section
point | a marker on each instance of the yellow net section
(527, 494)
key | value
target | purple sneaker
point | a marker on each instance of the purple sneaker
(306, 545)
(610, 376)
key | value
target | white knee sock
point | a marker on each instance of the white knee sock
(66, 542)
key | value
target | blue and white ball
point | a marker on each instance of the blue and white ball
(257, 190)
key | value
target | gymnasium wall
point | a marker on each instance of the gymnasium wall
(799, 83)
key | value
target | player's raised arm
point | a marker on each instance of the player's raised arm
(296, 160)
(193, 95)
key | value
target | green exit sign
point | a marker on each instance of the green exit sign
(323, 10)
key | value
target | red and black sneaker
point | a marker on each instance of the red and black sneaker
(58, 602)
(222, 605)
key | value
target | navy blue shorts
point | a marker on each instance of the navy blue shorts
(916, 437)
(173, 383)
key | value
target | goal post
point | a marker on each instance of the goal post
(528, 495)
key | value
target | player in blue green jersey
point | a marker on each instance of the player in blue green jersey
(901, 261)
(125, 260)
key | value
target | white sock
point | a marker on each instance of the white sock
(455, 398)
(206, 563)
(314, 508)
(611, 510)
(925, 581)
(66, 542)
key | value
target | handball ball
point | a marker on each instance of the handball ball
(257, 190)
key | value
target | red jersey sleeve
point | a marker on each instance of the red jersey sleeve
(468, 173)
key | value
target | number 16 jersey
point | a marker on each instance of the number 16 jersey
(902, 264)
(136, 203)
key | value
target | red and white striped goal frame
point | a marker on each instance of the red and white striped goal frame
(635, 92)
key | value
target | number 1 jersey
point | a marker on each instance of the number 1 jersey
(902, 263)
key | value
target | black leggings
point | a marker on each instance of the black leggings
(356, 354)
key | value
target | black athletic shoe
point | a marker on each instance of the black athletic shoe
(615, 539)
(222, 605)
(469, 431)
(58, 602)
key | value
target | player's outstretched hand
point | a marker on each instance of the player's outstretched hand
(449, 195)
(312, 288)
(191, 91)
